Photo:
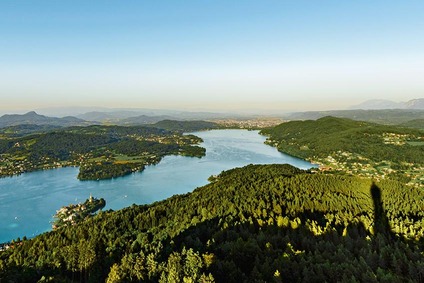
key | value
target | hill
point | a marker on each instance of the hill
(26, 129)
(144, 119)
(387, 117)
(415, 104)
(388, 104)
(260, 223)
(354, 147)
(123, 117)
(32, 118)
(417, 123)
(99, 116)
(185, 126)
(375, 104)
(139, 116)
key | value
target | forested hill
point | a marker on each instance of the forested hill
(260, 223)
(185, 126)
(354, 147)
(417, 123)
(382, 116)
(32, 118)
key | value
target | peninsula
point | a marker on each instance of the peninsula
(101, 152)
(75, 213)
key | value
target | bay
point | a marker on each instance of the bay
(28, 201)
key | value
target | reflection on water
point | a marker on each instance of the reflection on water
(28, 201)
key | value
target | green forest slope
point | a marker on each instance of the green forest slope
(185, 126)
(354, 147)
(417, 123)
(383, 116)
(260, 223)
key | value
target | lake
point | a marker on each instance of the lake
(28, 201)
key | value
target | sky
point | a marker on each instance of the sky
(209, 55)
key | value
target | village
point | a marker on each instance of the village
(258, 123)
(74, 213)
(356, 164)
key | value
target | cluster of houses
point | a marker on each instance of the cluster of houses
(356, 164)
(71, 214)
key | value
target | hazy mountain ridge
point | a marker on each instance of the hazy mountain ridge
(380, 104)
(185, 126)
(123, 117)
(32, 118)
(382, 116)
(149, 116)
(415, 104)
(144, 119)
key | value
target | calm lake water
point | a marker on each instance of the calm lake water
(28, 201)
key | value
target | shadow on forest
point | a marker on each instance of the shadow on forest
(381, 222)
(247, 251)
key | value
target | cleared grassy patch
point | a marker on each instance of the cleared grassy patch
(416, 143)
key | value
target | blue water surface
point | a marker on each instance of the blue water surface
(28, 201)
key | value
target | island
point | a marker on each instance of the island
(75, 213)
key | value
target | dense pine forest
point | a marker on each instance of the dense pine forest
(260, 223)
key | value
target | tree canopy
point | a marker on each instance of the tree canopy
(259, 223)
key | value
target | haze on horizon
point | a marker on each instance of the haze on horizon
(209, 55)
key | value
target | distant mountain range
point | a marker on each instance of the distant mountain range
(32, 118)
(144, 119)
(124, 117)
(381, 111)
(379, 104)
(383, 116)
(149, 116)
(377, 111)
(32, 122)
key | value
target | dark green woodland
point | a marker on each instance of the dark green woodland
(260, 223)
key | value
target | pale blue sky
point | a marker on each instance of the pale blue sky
(210, 55)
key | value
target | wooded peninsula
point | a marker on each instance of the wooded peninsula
(101, 152)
